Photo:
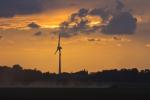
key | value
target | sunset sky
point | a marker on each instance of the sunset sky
(96, 34)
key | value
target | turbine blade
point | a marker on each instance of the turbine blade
(56, 51)
(59, 40)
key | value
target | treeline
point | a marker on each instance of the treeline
(18, 74)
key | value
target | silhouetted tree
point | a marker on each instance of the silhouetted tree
(17, 67)
(17, 74)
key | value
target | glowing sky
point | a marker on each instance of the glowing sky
(28, 34)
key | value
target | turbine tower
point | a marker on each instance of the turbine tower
(59, 48)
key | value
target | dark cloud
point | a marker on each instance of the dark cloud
(122, 23)
(118, 21)
(10, 8)
(74, 4)
(93, 39)
(119, 5)
(39, 33)
(75, 24)
(101, 12)
(33, 25)
(117, 38)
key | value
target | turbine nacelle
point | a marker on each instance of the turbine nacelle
(59, 48)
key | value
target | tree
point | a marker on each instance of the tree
(17, 67)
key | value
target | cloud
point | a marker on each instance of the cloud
(93, 39)
(39, 33)
(10, 8)
(76, 23)
(74, 4)
(114, 22)
(122, 23)
(33, 25)
(101, 12)
(119, 5)
(117, 38)
(147, 45)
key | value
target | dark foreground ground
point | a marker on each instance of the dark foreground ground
(75, 93)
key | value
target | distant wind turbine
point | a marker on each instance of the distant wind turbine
(59, 48)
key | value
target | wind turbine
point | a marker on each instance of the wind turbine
(59, 48)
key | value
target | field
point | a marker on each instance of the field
(76, 93)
